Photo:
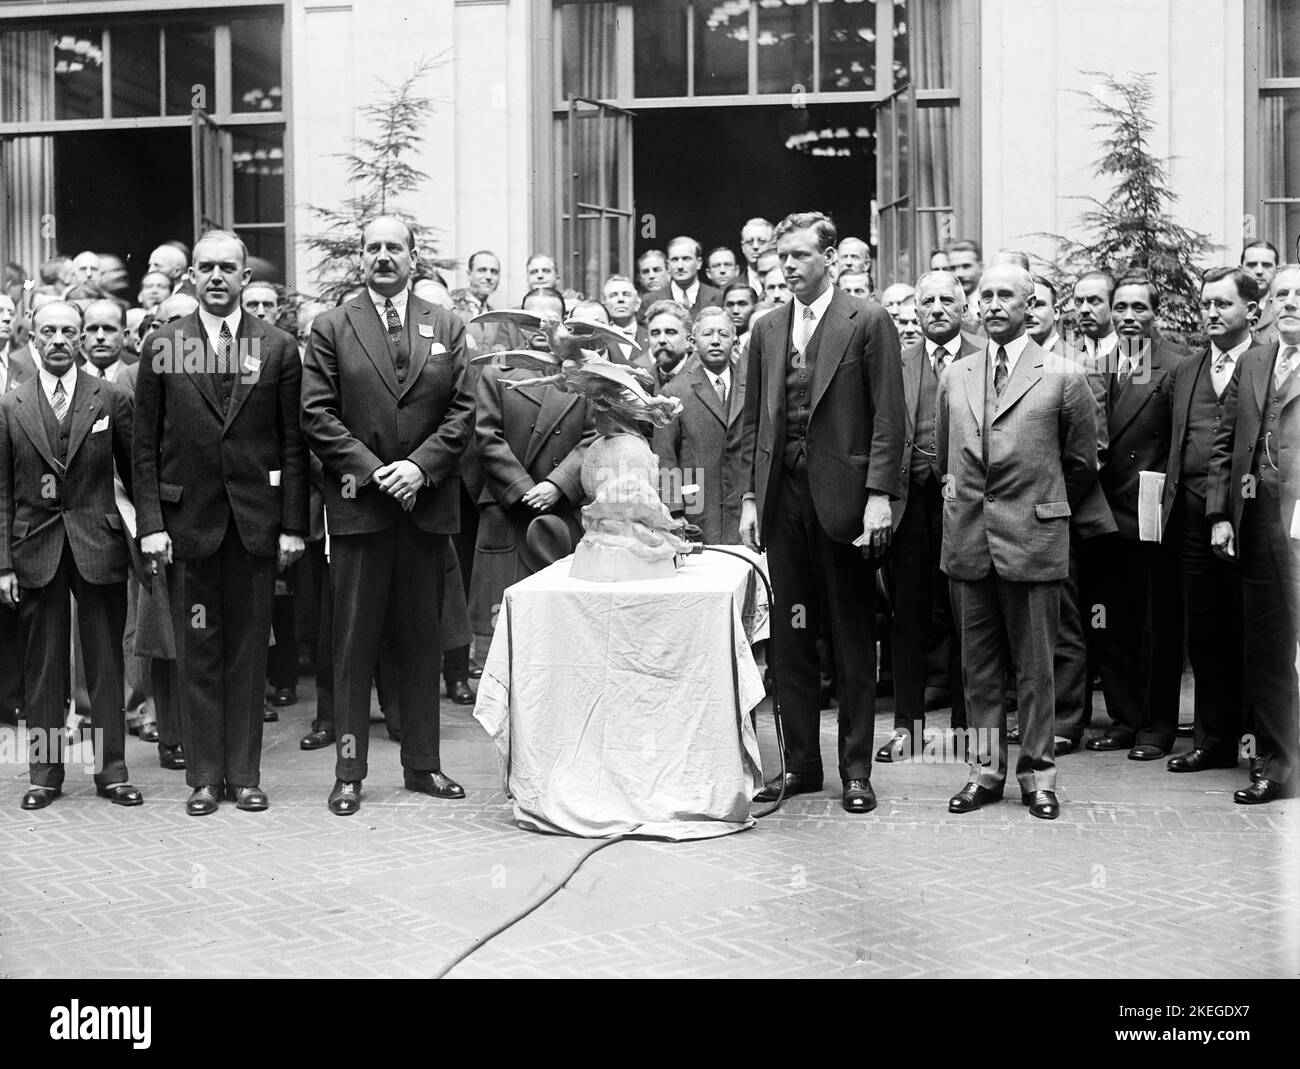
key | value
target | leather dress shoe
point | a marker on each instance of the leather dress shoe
(1199, 760)
(283, 696)
(858, 796)
(1042, 804)
(172, 757)
(434, 783)
(458, 691)
(1261, 791)
(795, 783)
(345, 798)
(203, 801)
(148, 731)
(269, 714)
(317, 738)
(898, 747)
(972, 797)
(1013, 736)
(1147, 751)
(40, 797)
(1063, 746)
(250, 799)
(121, 794)
(1109, 742)
(476, 671)
(1256, 769)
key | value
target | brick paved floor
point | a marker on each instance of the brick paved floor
(1145, 874)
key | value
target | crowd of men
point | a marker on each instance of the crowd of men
(1041, 492)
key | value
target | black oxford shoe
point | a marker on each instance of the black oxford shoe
(1200, 760)
(1042, 804)
(1110, 741)
(795, 783)
(858, 796)
(283, 696)
(40, 797)
(1256, 768)
(345, 798)
(172, 757)
(149, 731)
(898, 747)
(460, 694)
(121, 794)
(203, 801)
(317, 738)
(270, 715)
(434, 783)
(972, 797)
(250, 799)
(1146, 751)
(1262, 791)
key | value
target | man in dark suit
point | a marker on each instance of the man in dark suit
(920, 592)
(15, 369)
(822, 447)
(692, 448)
(1261, 258)
(1016, 435)
(221, 493)
(622, 303)
(60, 535)
(1254, 509)
(1140, 647)
(668, 341)
(684, 283)
(387, 411)
(1211, 596)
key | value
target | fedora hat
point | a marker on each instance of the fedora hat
(545, 539)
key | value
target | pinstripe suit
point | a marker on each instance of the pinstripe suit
(60, 533)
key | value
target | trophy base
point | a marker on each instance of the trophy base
(613, 564)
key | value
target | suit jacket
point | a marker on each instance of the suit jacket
(706, 294)
(21, 369)
(1185, 374)
(857, 424)
(1238, 438)
(693, 447)
(1139, 421)
(529, 434)
(914, 359)
(197, 467)
(357, 417)
(1013, 515)
(34, 521)
(1091, 517)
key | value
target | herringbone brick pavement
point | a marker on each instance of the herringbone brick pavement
(1146, 874)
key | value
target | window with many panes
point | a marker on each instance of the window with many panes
(1273, 124)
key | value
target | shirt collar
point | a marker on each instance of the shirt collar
(398, 299)
(818, 305)
(68, 378)
(212, 324)
(1234, 353)
(109, 373)
(1015, 347)
(1100, 346)
(1050, 343)
(952, 346)
(688, 291)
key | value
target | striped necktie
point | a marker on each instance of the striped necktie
(59, 402)
(1285, 364)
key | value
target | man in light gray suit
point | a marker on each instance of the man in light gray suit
(1016, 437)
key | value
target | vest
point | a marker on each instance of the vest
(1202, 421)
(923, 443)
(1264, 465)
(55, 431)
(798, 393)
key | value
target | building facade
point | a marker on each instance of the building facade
(594, 129)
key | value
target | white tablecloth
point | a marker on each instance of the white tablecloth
(623, 708)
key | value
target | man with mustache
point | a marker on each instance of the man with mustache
(668, 329)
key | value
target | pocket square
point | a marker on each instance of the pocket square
(100, 424)
(426, 330)
(436, 348)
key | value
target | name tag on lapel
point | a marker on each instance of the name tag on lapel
(426, 330)
(252, 365)
(100, 424)
(274, 477)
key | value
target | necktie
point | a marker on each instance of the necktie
(395, 336)
(1282, 371)
(1220, 364)
(60, 401)
(937, 362)
(1000, 373)
(803, 329)
(721, 385)
(225, 362)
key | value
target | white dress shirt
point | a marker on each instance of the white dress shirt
(212, 325)
(1014, 348)
(399, 304)
(111, 372)
(818, 306)
(685, 296)
(48, 381)
(1222, 378)
(1100, 348)
(951, 348)
(723, 377)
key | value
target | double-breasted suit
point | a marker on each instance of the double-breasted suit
(221, 467)
(60, 533)
(822, 430)
(1255, 484)
(360, 414)
(1015, 467)
(693, 449)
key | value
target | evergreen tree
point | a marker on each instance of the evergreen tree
(1133, 231)
(379, 175)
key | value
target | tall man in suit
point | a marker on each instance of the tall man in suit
(1261, 258)
(1016, 434)
(387, 411)
(1141, 645)
(1211, 597)
(60, 535)
(920, 592)
(221, 485)
(684, 283)
(15, 369)
(692, 448)
(1254, 509)
(821, 450)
